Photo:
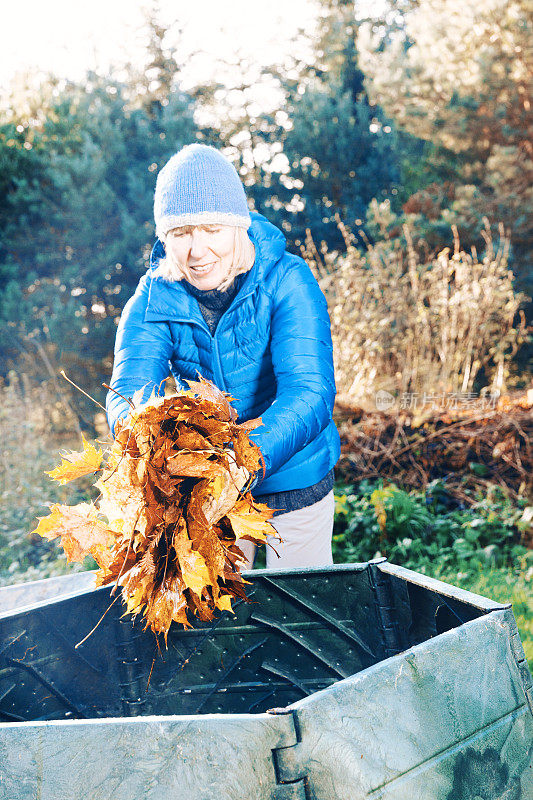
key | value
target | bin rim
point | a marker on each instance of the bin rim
(441, 587)
(419, 579)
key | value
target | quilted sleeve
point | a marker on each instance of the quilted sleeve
(142, 355)
(302, 358)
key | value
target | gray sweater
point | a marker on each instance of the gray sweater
(212, 304)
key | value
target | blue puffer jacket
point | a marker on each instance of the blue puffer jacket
(271, 351)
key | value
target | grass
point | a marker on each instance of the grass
(504, 586)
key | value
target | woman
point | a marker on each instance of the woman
(224, 298)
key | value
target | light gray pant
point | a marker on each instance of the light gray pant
(306, 535)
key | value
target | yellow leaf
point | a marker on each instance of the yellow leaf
(81, 532)
(193, 567)
(224, 602)
(217, 485)
(135, 600)
(74, 465)
(250, 525)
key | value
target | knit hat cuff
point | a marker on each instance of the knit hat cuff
(171, 221)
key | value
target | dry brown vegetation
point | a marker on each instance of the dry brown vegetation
(474, 449)
(36, 419)
(403, 320)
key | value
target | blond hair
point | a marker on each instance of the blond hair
(243, 257)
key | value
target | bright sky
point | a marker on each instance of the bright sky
(69, 37)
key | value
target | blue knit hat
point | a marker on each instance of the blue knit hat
(199, 186)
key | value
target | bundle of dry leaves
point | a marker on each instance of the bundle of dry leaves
(172, 507)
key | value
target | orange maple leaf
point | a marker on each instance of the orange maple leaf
(74, 464)
(250, 525)
(82, 533)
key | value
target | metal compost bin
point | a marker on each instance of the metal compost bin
(340, 683)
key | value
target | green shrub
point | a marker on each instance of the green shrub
(427, 530)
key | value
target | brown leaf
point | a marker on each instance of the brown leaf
(193, 465)
(190, 439)
(167, 484)
(208, 391)
(123, 561)
(164, 607)
(247, 453)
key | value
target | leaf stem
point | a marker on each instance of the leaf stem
(98, 623)
(62, 373)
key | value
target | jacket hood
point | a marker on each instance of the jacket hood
(171, 300)
(268, 240)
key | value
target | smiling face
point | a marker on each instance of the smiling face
(203, 253)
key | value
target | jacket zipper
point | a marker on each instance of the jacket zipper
(218, 361)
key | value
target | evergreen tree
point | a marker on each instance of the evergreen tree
(460, 75)
(76, 217)
(341, 150)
